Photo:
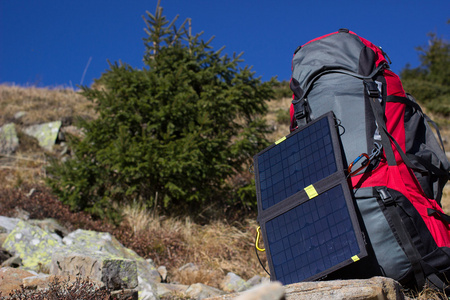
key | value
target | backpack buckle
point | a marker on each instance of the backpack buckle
(385, 196)
(301, 109)
(372, 89)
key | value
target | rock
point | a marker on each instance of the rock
(33, 245)
(72, 130)
(19, 115)
(265, 291)
(201, 291)
(162, 270)
(9, 142)
(85, 241)
(379, 288)
(374, 288)
(13, 262)
(233, 283)
(8, 224)
(255, 280)
(3, 237)
(4, 256)
(170, 289)
(21, 214)
(115, 272)
(46, 134)
(11, 279)
(52, 226)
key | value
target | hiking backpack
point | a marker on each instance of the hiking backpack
(397, 168)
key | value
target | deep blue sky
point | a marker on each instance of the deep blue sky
(53, 42)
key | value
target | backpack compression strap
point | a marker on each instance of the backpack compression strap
(408, 246)
(302, 110)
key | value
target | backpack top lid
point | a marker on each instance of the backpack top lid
(342, 50)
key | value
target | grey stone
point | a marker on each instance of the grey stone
(46, 134)
(170, 289)
(162, 270)
(21, 214)
(8, 224)
(255, 280)
(201, 291)
(90, 241)
(233, 283)
(264, 291)
(115, 272)
(379, 288)
(19, 115)
(51, 225)
(9, 142)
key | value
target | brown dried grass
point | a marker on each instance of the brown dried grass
(42, 104)
(216, 248)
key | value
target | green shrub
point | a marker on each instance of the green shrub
(282, 90)
(171, 134)
(283, 116)
(429, 83)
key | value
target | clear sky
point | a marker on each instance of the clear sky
(52, 43)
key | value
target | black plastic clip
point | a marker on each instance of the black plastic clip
(300, 109)
(372, 89)
(386, 196)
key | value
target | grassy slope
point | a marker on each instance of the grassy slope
(218, 248)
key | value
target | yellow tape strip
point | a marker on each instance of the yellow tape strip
(311, 191)
(280, 140)
(355, 258)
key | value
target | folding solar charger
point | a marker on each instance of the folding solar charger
(305, 209)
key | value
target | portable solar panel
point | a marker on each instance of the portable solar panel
(305, 208)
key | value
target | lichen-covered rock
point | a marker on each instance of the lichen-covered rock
(33, 245)
(46, 134)
(9, 142)
(85, 241)
(233, 283)
(115, 272)
(52, 226)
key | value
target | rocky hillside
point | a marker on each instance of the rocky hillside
(40, 118)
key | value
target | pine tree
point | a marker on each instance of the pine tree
(172, 134)
(430, 82)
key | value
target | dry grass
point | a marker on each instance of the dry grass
(280, 129)
(20, 168)
(216, 248)
(41, 104)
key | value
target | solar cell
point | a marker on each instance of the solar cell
(305, 208)
(283, 172)
(312, 237)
